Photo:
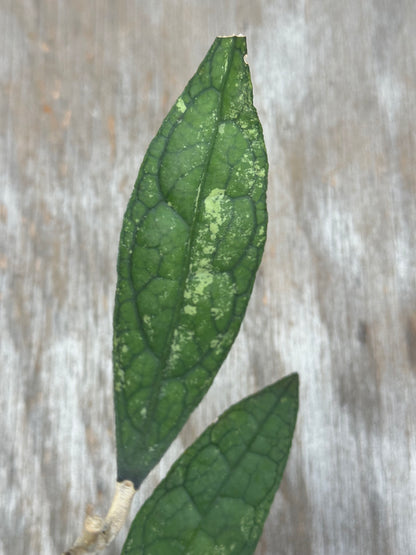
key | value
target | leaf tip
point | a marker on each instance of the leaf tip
(294, 379)
(291, 385)
(231, 36)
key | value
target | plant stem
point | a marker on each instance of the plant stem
(99, 532)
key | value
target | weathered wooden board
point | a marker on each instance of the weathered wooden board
(84, 87)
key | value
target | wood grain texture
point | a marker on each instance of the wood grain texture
(84, 88)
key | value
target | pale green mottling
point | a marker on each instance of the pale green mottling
(200, 283)
(208, 249)
(181, 337)
(217, 312)
(180, 104)
(214, 343)
(119, 382)
(247, 523)
(201, 264)
(217, 210)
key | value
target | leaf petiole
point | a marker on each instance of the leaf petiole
(99, 532)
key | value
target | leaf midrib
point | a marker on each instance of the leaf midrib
(186, 273)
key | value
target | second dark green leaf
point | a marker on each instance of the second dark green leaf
(216, 497)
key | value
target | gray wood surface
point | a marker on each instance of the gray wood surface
(84, 87)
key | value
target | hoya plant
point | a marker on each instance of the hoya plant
(191, 242)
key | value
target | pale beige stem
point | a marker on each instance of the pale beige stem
(99, 532)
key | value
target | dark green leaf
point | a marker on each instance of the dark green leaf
(190, 245)
(216, 497)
